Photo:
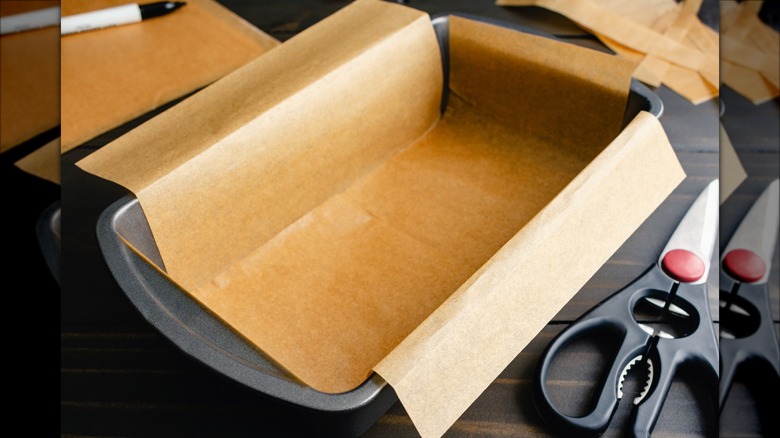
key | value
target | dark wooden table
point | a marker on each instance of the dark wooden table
(119, 377)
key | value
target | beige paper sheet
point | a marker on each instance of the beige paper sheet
(471, 338)
(327, 242)
(738, 18)
(447, 362)
(687, 83)
(728, 13)
(704, 37)
(262, 150)
(765, 38)
(645, 12)
(732, 174)
(674, 25)
(627, 32)
(748, 83)
(692, 86)
(768, 64)
(29, 78)
(665, 39)
(44, 162)
(114, 75)
(751, 52)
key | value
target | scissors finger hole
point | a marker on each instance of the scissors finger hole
(573, 379)
(660, 314)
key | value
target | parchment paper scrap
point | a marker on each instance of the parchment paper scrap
(750, 52)
(666, 39)
(732, 174)
(29, 78)
(44, 162)
(159, 60)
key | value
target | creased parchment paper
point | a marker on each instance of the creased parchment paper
(732, 173)
(317, 202)
(665, 38)
(750, 52)
(44, 162)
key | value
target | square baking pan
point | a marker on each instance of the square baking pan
(132, 256)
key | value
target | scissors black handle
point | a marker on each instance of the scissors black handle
(698, 349)
(616, 314)
(758, 343)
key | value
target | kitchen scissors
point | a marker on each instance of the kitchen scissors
(675, 289)
(747, 332)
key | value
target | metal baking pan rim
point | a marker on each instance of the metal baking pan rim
(133, 274)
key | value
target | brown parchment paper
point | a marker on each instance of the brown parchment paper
(29, 78)
(732, 173)
(261, 151)
(114, 75)
(443, 366)
(327, 212)
(666, 39)
(627, 32)
(44, 162)
(750, 50)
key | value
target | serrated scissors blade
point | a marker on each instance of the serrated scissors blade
(698, 229)
(758, 230)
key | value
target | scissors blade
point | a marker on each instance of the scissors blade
(757, 234)
(694, 236)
